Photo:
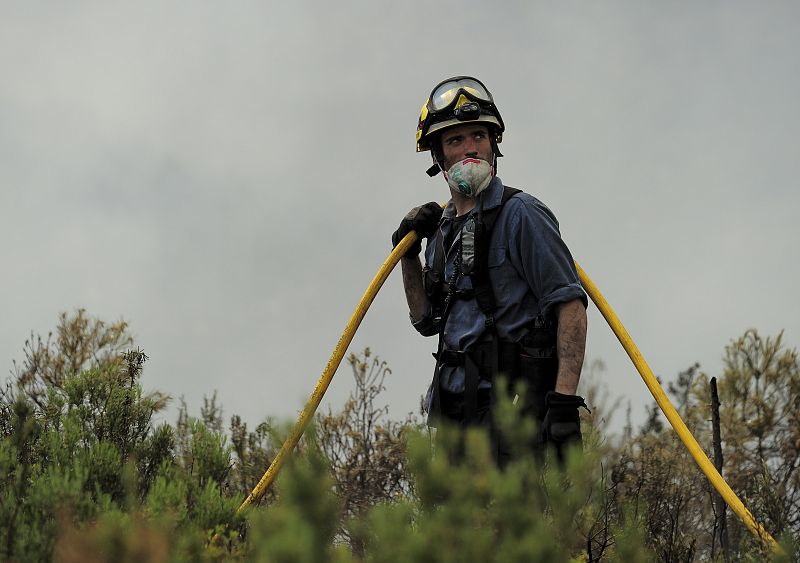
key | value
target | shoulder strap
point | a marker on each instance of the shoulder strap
(480, 276)
(489, 217)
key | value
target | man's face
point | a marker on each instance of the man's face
(465, 141)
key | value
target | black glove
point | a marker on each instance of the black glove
(562, 423)
(423, 219)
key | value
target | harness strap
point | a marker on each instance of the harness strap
(448, 303)
(439, 258)
(482, 288)
(481, 283)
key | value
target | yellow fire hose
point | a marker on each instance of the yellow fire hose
(613, 321)
(330, 369)
(672, 415)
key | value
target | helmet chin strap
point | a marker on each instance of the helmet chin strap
(433, 170)
(495, 153)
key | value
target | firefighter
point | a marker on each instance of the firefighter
(498, 285)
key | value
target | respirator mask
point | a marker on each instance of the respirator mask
(469, 176)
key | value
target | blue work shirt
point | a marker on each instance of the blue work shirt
(530, 268)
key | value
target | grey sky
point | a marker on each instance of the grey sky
(226, 176)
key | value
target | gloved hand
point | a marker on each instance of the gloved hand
(423, 219)
(562, 424)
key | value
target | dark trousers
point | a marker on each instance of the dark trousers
(452, 405)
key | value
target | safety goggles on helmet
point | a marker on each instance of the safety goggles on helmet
(445, 94)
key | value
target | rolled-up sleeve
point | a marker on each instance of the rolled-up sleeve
(427, 325)
(540, 255)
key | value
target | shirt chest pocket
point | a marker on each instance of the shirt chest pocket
(498, 263)
(497, 257)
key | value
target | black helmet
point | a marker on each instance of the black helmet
(456, 101)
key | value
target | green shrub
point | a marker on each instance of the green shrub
(86, 476)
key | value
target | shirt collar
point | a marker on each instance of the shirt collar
(492, 195)
(487, 199)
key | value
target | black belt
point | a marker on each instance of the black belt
(481, 356)
(508, 357)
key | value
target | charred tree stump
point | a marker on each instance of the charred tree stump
(720, 508)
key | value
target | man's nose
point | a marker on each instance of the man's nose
(470, 148)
